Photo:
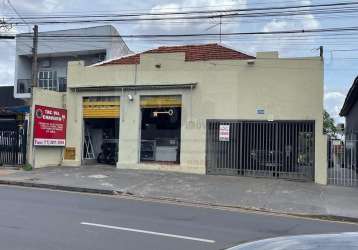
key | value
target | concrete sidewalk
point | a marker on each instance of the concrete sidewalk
(245, 192)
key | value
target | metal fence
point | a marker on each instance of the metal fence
(12, 143)
(342, 162)
(282, 149)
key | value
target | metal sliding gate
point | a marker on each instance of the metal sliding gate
(281, 149)
(343, 161)
(12, 143)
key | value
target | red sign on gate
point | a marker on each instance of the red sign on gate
(49, 126)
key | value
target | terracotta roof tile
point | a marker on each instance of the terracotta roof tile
(203, 52)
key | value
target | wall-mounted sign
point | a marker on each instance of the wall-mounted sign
(260, 111)
(70, 153)
(224, 132)
(49, 126)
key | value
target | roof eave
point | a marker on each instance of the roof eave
(350, 98)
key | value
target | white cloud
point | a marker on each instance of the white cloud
(333, 101)
(335, 95)
(275, 25)
(287, 44)
(310, 22)
(307, 22)
(51, 5)
(39, 6)
(216, 4)
(306, 2)
(187, 26)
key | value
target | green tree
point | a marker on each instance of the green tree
(329, 126)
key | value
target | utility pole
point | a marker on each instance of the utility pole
(321, 52)
(34, 57)
(220, 28)
(34, 81)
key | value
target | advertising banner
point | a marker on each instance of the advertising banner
(49, 126)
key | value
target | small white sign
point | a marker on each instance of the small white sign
(49, 142)
(260, 111)
(224, 133)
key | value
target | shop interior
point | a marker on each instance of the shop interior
(160, 134)
(101, 140)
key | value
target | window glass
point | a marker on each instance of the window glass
(48, 80)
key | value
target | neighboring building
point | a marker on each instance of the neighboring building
(350, 111)
(55, 52)
(13, 127)
(195, 108)
(11, 109)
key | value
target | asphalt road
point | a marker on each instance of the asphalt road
(42, 220)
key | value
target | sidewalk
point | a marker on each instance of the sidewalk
(257, 193)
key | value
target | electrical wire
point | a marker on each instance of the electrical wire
(220, 11)
(317, 9)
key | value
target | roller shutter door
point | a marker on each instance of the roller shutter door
(101, 107)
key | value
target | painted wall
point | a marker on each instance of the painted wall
(42, 156)
(288, 89)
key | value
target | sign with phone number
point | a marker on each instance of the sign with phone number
(49, 126)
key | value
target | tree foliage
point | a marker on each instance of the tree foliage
(329, 126)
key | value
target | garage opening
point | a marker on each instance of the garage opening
(101, 129)
(280, 149)
(160, 129)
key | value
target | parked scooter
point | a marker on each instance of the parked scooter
(109, 154)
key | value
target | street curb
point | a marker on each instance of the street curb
(59, 187)
(333, 218)
(324, 217)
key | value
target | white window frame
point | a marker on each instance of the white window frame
(47, 80)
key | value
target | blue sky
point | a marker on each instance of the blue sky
(341, 53)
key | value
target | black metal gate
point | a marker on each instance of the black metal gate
(12, 142)
(282, 149)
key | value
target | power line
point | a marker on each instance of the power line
(17, 13)
(209, 14)
(219, 11)
(221, 6)
(2, 37)
(185, 18)
(299, 31)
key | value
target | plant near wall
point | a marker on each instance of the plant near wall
(27, 167)
(329, 125)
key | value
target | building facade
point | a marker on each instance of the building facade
(198, 109)
(350, 111)
(56, 49)
(13, 127)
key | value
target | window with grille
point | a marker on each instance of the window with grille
(48, 80)
(62, 84)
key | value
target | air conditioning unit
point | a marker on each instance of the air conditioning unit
(45, 63)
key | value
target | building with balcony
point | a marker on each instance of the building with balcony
(57, 48)
(206, 109)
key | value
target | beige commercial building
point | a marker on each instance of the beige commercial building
(196, 109)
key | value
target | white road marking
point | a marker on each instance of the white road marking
(148, 232)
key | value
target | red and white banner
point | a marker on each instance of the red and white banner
(49, 126)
